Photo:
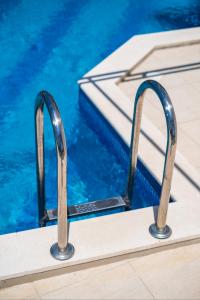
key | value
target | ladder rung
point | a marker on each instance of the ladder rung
(89, 207)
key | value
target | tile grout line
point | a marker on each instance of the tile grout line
(61, 288)
(74, 283)
(37, 292)
(151, 293)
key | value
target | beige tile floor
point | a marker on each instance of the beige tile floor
(184, 91)
(170, 274)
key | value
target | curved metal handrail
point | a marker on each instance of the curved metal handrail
(160, 229)
(61, 250)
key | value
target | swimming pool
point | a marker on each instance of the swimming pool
(50, 46)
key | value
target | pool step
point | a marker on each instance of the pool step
(89, 207)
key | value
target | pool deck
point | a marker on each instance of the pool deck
(141, 267)
(183, 85)
(169, 274)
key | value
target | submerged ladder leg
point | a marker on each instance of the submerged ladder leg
(62, 249)
(159, 229)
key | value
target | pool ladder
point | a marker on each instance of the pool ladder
(63, 250)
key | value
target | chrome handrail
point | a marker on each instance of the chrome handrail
(62, 249)
(159, 229)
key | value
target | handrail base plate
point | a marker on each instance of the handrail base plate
(158, 233)
(63, 254)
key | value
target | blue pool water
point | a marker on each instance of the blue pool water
(49, 45)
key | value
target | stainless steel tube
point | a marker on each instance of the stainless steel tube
(61, 250)
(160, 229)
